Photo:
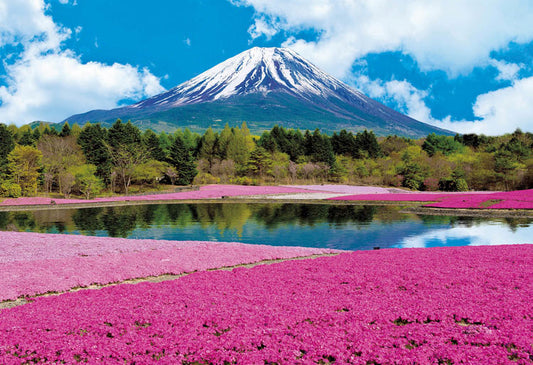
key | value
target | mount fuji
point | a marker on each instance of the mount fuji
(264, 87)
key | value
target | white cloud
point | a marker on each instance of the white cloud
(507, 71)
(500, 111)
(23, 20)
(449, 35)
(262, 27)
(64, 2)
(508, 108)
(409, 99)
(54, 86)
(187, 42)
(47, 82)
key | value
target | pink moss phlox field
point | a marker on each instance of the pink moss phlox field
(519, 199)
(205, 192)
(33, 263)
(469, 305)
(402, 197)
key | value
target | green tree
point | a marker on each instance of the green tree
(267, 142)
(165, 142)
(151, 172)
(50, 131)
(26, 137)
(125, 158)
(412, 175)
(123, 134)
(65, 131)
(505, 165)
(151, 142)
(181, 158)
(319, 148)
(410, 168)
(75, 130)
(237, 149)
(93, 142)
(295, 148)
(36, 134)
(520, 150)
(223, 141)
(260, 162)
(208, 146)
(367, 142)
(60, 154)
(189, 139)
(86, 180)
(344, 144)
(443, 144)
(9, 189)
(7, 143)
(24, 164)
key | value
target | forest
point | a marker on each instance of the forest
(93, 160)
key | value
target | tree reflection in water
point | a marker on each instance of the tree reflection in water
(223, 221)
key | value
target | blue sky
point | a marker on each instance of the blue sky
(465, 66)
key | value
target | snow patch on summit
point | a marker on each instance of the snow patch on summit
(258, 70)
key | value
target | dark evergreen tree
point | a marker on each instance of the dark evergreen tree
(260, 162)
(26, 139)
(367, 142)
(123, 134)
(295, 146)
(443, 144)
(151, 142)
(319, 148)
(471, 140)
(50, 131)
(308, 143)
(65, 131)
(181, 158)
(93, 142)
(279, 136)
(518, 149)
(344, 144)
(267, 142)
(36, 135)
(7, 143)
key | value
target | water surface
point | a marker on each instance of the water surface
(349, 227)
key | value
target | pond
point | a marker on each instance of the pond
(348, 227)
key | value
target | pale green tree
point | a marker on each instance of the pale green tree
(24, 163)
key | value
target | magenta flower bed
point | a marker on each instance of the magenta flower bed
(415, 197)
(427, 306)
(205, 192)
(520, 199)
(33, 263)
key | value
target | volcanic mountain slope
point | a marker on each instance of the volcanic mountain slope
(264, 87)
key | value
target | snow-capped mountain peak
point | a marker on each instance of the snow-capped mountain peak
(257, 70)
(264, 87)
